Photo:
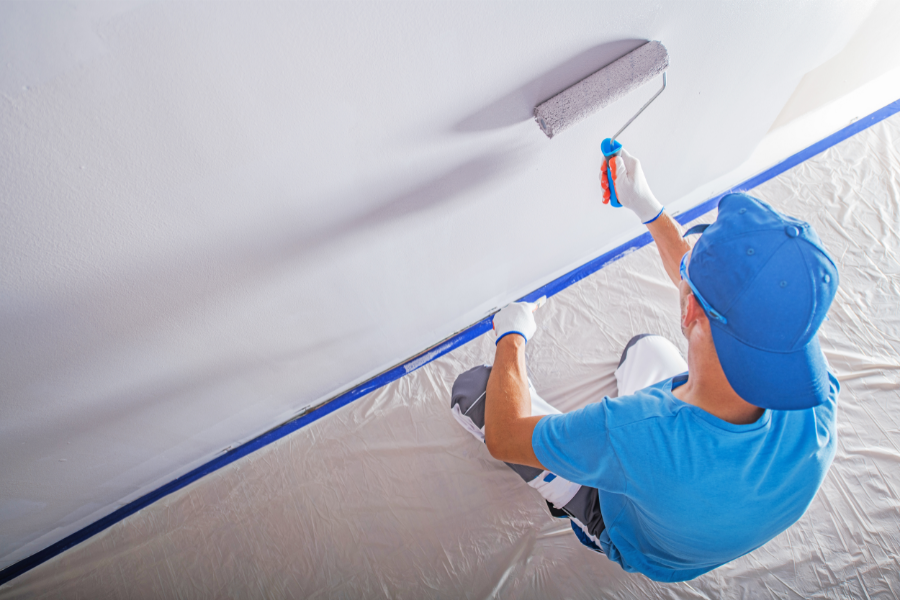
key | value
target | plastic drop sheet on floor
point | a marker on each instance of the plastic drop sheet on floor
(390, 497)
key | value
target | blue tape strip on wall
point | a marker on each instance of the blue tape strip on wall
(472, 332)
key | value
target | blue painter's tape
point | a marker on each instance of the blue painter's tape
(792, 161)
(455, 341)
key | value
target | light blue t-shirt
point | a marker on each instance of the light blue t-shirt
(681, 491)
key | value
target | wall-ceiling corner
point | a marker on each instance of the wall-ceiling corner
(871, 51)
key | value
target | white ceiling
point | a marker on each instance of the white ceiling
(214, 215)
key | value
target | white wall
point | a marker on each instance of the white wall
(214, 215)
(871, 54)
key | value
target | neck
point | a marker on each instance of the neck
(708, 388)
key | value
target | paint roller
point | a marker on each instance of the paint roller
(601, 89)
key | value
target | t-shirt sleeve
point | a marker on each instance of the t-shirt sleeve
(577, 446)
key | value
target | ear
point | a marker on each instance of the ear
(692, 312)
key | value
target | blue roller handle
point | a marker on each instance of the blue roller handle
(610, 149)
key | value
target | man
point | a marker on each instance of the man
(693, 464)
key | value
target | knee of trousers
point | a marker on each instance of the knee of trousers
(631, 343)
(647, 360)
(467, 402)
(468, 393)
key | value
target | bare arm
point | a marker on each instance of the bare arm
(666, 233)
(634, 193)
(508, 424)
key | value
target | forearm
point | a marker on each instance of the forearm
(508, 423)
(667, 233)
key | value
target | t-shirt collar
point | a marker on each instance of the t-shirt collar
(713, 420)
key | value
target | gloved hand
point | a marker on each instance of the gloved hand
(631, 187)
(517, 317)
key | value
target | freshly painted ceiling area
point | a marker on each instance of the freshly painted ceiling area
(215, 215)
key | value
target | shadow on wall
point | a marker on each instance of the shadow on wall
(446, 187)
(518, 105)
(129, 305)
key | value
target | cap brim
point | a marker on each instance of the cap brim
(789, 381)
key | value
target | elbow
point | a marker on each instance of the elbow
(494, 444)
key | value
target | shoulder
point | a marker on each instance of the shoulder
(652, 403)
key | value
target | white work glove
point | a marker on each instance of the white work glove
(632, 190)
(517, 317)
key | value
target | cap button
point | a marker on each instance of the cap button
(791, 231)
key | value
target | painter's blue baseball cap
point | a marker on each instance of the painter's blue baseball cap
(767, 283)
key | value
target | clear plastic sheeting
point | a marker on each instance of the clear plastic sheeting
(390, 497)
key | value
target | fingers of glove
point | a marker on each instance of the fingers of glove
(516, 317)
(629, 159)
(537, 303)
(523, 307)
(619, 169)
(632, 165)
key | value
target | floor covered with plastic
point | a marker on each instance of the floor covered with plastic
(390, 497)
